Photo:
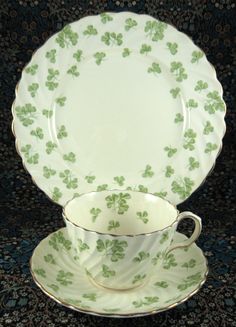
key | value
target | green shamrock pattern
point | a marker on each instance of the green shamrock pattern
(113, 249)
(130, 23)
(59, 242)
(178, 71)
(143, 216)
(112, 38)
(155, 30)
(113, 225)
(51, 56)
(95, 213)
(118, 202)
(141, 256)
(67, 38)
(26, 114)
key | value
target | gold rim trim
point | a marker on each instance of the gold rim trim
(117, 315)
(134, 14)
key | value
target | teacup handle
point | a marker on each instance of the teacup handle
(196, 232)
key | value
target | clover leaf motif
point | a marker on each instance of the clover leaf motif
(114, 249)
(172, 47)
(26, 114)
(214, 103)
(30, 156)
(105, 18)
(67, 37)
(90, 30)
(182, 187)
(208, 128)
(32, 70)
(130, 23)
(196, 56)
(56, 194)
(112, 38)
(155, 30)
(51, 55)
(155, 68)
(99, 56)
(118, 202)
(189, 139)
(68, 179)
(200, 86)
(178, 70)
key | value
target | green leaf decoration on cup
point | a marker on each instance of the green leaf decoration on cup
(59, 242)
(33, 88)
(201, 85)
(210, 147)
(175, 92)
(191, 103)
(67, 38)
(113, 224)
(190, 264)
(49, 258)
(38, 133)
(141, 257)
(64, 278)
(62, 132)
(102, 187)
(90, 31)
(189, 139)
(48, 172)
(30, 156)
(193, 163)
(82, 246)
(162, 284)
(51, 55)
(196, 56)
(26, 114)
(90, 296)
(47, 113)
(56, 194)
(41, 272)
(143, 216)
(50, 146)
(68, 179)
(120, 180)
(142, 188)
(164, 237)
(145, 48)
(52, 82)
(118, 202)
(155, 30)
(148, 172)
(190, 281)
(78, 55)
(95, 213)
(32, 70)
(169, 261)
(170, 151)
(155, 68)
(214, 103)
(208, 128)
(114, 249)
(169, 171)
(105, 18)
(178, 71)
(90, 179)
(182, 187)
(61, 101)
(138, 278)
(126, 52)
(147, 300)
(70, 157)
(161, 194)
(73, 71)
(99, 56)
(130, 23)
(112, 38)
(172, 47)
(107, 272)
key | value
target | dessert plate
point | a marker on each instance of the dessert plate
(54, 267)
(119, 100)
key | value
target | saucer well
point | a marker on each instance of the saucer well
(55, 269)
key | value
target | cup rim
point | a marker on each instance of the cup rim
(68, 220)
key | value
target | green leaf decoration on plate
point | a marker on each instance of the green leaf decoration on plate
(56, 194)
(145, 48)
(47, 113)
(67, 37)
(112, 38)
(59, 242)
(157, 258)
(90, 179)
(70, 157)
(49, 258)
(162, 284)
(189, 139)
(38, 133)
(82, 246)
(33, 88)
(169, 261)
(196, 56)
(54, 287)
(90, 30)
(130, 23)
(62, 132)
(142, 188)
(90, 296)
(200, 86)
(178, 70)
(68, 179)
(191, 103)
(30, 156)
(78, 55)
(119, 180)
(193, 163)
(50, 146)
(26, 114)
(183, 187)
(64, 278)
(99, 56)
(32, 70)
(148, 172)
(148, 300)
(52, 82)
(141, 257)
(172, 47)
(48, 172)
(169, 171)
(107, 272)
(51, 55)
(210, 147)
(105, 18)
(73, 71)
(161, 194)
(61, 101)
(102, 187)
(190, 264)
(190, 281)
(126, 52)
(138, 278)
(114, 249)
(118, 202)
(41, 272)
(214, 103)
(143, 216)
(208, 128)
(95, 213)
(155, 30)
(164, 237)
(113, 224)
(155, 68)
(179, 118)
(170, 151)
(175, 92)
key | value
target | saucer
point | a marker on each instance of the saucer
(55, 270)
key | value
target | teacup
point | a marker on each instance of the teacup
(120, 237)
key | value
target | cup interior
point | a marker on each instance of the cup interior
(120, 212)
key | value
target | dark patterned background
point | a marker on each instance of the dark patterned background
(27, 215)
